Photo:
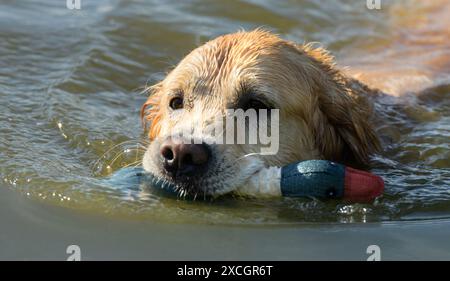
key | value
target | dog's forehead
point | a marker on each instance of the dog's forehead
(224, 62)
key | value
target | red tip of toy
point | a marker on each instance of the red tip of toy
(362, 186)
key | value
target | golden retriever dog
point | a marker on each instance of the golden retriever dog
(323, 114)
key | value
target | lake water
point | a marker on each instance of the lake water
(70, 95)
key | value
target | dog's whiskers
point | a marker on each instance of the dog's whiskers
(97, 162)
(247, 155)
(122, 153)
(134, 164)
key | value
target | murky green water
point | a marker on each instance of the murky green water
(70, 85)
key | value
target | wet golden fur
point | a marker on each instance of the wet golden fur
(323, 113)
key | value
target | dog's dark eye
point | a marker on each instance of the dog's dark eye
(176, 103)
(254, 104)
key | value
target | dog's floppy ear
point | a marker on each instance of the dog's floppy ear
(151, 111)
(341, 114)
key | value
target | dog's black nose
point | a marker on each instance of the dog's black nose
(180, 159)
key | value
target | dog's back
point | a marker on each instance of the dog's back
(417, 55)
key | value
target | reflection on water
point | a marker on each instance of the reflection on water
(69, 96)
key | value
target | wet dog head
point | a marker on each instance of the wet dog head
(321, 116)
